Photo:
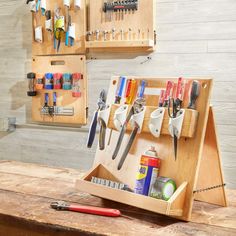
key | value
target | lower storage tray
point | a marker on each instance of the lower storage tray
(172, 207)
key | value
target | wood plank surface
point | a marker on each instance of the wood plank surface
(195, 38)
(26, 191)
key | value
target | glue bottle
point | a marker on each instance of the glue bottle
(148, 172)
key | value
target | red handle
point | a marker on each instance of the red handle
(95, 210)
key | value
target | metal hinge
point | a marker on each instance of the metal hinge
(209, 188)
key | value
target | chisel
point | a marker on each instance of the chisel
(194, 94)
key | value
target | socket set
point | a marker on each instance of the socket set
(130, 5)
(111, 184)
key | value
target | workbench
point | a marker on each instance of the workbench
(26, 191)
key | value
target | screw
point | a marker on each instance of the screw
(97, 34)
(105, 35)
(113, 30)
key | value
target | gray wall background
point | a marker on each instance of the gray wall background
(196, 38)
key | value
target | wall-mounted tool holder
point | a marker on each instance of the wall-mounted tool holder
(121, 25)
(59, 26)
(197, 154)
(55, 101)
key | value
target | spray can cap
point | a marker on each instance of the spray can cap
(151, 152)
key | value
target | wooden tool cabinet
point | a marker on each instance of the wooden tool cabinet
(197, 166)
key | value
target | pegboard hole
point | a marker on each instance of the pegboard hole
(114, 82)
(204, 85)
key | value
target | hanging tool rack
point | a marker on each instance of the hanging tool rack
(121, 25)
(197, 166)
(71, 25)
(58, 85)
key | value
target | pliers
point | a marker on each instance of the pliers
(92, 130)
(64, 206)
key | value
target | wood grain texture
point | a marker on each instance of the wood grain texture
(26, 191)
(195, 38)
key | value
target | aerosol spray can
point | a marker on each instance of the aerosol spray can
(148, 172)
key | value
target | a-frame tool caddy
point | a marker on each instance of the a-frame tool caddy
(197, 170)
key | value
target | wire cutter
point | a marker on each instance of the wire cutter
(92, 130)
(63, 206)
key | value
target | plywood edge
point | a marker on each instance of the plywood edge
(176, 202)
(189, 123)
(211, 160)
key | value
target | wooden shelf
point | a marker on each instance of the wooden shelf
(120, 44)
(189, 123)
(173, 207)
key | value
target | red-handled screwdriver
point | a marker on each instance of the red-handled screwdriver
(63, 206)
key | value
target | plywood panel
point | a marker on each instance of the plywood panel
(70, 64)
(77, 16)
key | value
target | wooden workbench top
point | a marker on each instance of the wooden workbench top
(26, 191)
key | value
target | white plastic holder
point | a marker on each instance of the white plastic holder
(71, 31)
(137, 119)
(66, 3)
(105, 114)
(78, 4)
(120, 117)
(43, 5)
(48, 25)
(39, 34)
(175, 124)
(32, 6)
(156, 121)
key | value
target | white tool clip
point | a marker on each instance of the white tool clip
(120, 117)
(71, 31)
(78, 4)
(39, 34)
(104, 114)
(137, 119)
(48, 25)
(43, 6)
(175, 124)
(32, 6)
(156, 121)
(66, 3)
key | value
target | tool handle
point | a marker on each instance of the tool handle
(180, 89)
(46, 98)
(142, 89)
(95, 210)
(92, 130)
(54, 99)
(102, 134)
(195, 91)
(120, 89)
(169, 91)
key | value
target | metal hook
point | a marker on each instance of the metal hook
(148, 59)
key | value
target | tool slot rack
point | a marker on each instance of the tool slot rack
(78, 17)
(141, 22)
(57, 64)
(197, 166)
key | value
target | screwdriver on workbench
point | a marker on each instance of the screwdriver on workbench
(63, 206)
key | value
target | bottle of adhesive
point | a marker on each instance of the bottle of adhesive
(148, 172)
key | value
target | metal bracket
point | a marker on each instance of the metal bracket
(58, 111)
(175, 124)
(120, 117)
(156, 121)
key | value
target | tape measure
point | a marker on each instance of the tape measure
(163, 188)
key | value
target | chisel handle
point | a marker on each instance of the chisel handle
(194, 94)
(92, 130)
(95, 210)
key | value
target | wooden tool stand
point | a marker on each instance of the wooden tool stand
(65, 99)
(121, 29)
(197, 166)
(78, 19)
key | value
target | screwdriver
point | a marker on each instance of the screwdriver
(195, 91)
(130, 91)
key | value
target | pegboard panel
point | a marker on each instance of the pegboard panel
(57, 64)
(138, 26)
(78, 17)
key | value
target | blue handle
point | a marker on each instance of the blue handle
(142, 89)
(67, 39)
(46, 98)
(54, 98)
(122, 85)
